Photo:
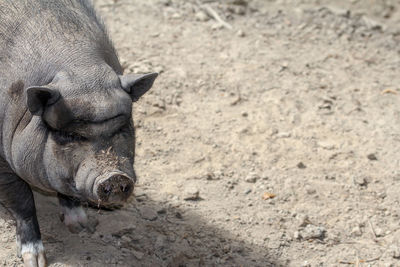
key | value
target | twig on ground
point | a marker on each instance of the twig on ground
(357, 261)
(373, 259)
(346, 262)
(389, 91)
(212, 13)
(373, 231)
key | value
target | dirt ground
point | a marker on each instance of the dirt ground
(271, 138)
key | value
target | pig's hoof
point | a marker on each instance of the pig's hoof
(33, 255)
(76, 220)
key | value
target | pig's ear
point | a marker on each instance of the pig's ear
(137, 84)
(38, 97)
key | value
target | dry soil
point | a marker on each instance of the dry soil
(271, 139)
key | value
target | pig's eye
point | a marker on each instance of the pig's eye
(123, 130)
(63, 138)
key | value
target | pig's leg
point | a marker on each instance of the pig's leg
(16, 196)
(73, 215)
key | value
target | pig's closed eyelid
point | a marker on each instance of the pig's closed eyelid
(63, 137)
(123, 128)
(97, 121)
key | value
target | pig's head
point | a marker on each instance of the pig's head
(87, 132)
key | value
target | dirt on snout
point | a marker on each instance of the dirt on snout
(270, 138)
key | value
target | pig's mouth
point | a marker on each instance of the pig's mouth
(113, 188)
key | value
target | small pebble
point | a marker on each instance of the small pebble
(394, 251)
(160, 242)
(356, 231)
(265, 176)
(161, 210)
(372, 157)
(239, 10)
(126, 239)
(202, 16)
(371, 24)
(327, 145)
(138, 255)
(313, 232)
(217, 26)
(241, 33)
(252, 178)
(283, 135)
(210, 176)
(148, 213)
(301, 165)
(191, 193)
(360, 180)
(247, 191)
(339, 11)
(379, 232)
(296, 235)
(303, 220)
(310, 190)
(176, 16)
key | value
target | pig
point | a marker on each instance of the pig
(65, 115)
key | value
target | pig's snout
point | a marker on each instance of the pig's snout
(115, 188)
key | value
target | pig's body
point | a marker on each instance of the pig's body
(65, 114)
(36, 43)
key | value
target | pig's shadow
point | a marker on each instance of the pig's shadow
(144, 233)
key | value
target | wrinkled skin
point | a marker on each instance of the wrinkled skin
(65, 115)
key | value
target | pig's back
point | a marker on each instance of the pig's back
(47, 31)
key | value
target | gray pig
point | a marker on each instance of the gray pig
(65, 115)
